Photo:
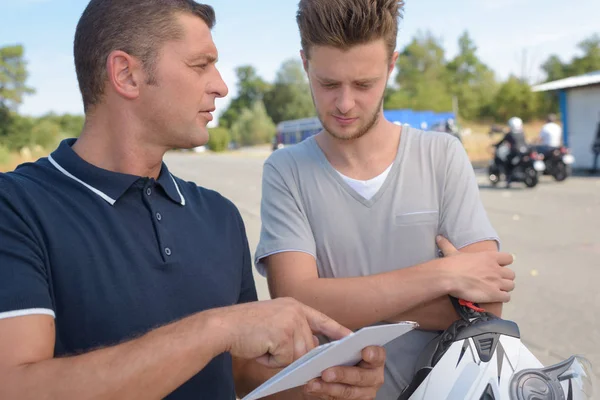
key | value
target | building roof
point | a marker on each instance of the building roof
(592, 78)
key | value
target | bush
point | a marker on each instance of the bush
(70, 125)
(46, 134)
(218, 139)
(253, 126)
(4, 155)
(17, 131)
(515, 98)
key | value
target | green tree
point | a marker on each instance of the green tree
(253, 126)
(290, 96)
(422, 77)
(13, 75)
(18, 132)
(70, 125)
(470, 80)
(515, 98)
(590, 60)
(45, 133)
(5, 121)
(218, 139)
(554, 68)
(4, 155)
(251, 88)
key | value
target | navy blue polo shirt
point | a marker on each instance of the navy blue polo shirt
(112, 256)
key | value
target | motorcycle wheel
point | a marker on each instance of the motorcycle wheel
(531, 177)
(561, 171)
(494, 176)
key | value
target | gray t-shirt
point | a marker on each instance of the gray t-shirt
(431, 189)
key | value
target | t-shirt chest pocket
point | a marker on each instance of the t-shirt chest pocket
(417, 218)
(415, 233)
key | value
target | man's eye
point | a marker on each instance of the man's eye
(201, 66)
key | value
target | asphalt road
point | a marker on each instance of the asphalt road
(553, 229)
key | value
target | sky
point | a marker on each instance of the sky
(512, 36)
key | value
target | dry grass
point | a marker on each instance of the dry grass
(24, 156)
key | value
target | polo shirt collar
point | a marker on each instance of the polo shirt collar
(109, 185)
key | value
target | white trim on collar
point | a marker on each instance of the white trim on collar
(178, 191)
(108, 199)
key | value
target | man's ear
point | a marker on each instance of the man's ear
(125, 73)
(304, 60)
(393, 62)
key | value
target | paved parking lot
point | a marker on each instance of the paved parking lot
(554, 230)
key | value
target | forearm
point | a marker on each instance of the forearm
(249, 375)
(417, 293)
(362, 301)
(494, 308)
(438, 314)
(151, 366)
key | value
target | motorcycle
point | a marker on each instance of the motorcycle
(526, 166)
(447, 126)
(558, 161)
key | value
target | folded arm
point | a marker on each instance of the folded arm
(419, 293)
(439, 313)
(356, 302)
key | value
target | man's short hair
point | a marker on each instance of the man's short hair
(137, 27)
(346, 23)
(552, 118)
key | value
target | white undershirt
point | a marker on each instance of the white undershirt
(368, 188)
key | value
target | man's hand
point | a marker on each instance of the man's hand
(359, 382)
(273, 332)
(479, 277)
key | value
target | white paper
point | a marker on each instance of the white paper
(343, 352)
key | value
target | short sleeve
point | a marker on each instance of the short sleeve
(24, 287)
(464, 220)
(285, 226)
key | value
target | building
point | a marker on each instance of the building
(579, 98)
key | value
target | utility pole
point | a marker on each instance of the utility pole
(524, 66)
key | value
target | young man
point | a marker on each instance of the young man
(119, 280)
(350, 216)
(551, 133)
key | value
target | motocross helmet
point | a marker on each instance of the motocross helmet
(481, 357)
(515, 124)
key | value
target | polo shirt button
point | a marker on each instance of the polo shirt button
(167, 251)
(148, 191)
(158, 216)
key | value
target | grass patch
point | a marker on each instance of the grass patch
(10, 160)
